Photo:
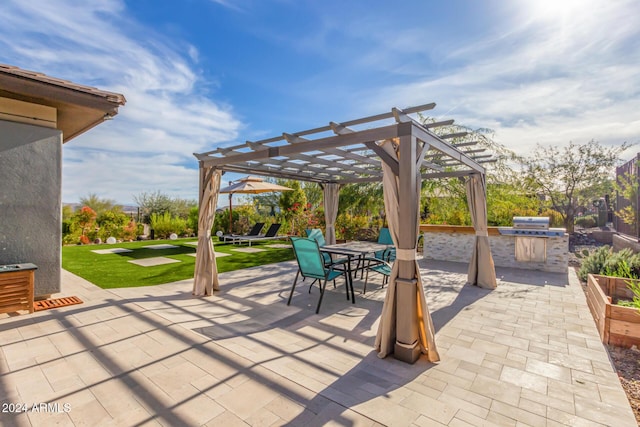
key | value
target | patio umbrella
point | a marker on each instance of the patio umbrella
(249, 185)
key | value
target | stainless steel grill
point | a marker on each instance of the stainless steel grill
(531, 222)
(531, 226)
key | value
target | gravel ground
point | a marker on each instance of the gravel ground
(627, 363)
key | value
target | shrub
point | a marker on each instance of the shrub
(618, 269)
(555, 219)
(603, 260)
(594, 262)
(347, 225)
(586, 221)
(164, 224)
(192, 220)
(129, 231)
(111, 223)
(623, 263)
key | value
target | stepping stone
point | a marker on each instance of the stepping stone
(218, 254)
(151, 262)
(279, 246)
(164, 246)
(111, 251)
(249, 250)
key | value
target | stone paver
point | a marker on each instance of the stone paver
(111, 251)
(249, 250)
(160, 246)
(279, 245)
(153, 261)
(526, 353)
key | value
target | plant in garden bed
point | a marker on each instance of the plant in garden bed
(623, 270)
(165, 224)
(634, 286)
(604, 260)
(623, 264)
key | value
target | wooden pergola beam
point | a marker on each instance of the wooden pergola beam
(348, 155)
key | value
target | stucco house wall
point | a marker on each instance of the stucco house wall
(30, 205)
(38, 114)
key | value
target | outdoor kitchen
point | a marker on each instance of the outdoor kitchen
(529, 244)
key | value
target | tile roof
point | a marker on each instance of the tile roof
(78, 107)
(33, 75)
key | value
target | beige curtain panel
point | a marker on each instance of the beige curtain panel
(331, 197)
(482, 271)
(205, 279)
(386, 336)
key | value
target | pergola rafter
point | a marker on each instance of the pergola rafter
(340, 153)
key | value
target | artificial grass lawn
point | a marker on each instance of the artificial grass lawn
(113, 270)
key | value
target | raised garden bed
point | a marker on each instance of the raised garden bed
(617, 325)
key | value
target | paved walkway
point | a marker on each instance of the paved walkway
(527, 353)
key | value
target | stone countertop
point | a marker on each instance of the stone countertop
(8, 268)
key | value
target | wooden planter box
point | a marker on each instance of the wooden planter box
(617, 325)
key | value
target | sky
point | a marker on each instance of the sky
(200, 74)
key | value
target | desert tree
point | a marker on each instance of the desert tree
(571, 176)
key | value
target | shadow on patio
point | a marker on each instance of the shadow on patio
(145, 355)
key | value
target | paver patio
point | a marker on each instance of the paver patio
(527, 353)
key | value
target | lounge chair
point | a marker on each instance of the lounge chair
(272, 233)
(255, 231)
(311, 264)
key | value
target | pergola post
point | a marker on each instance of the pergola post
(407, 348)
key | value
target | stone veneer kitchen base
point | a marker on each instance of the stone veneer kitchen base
(455, 243)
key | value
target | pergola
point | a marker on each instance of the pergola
(391, 147)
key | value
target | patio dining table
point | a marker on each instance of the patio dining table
(354, 251)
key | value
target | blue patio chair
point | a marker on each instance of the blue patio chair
(311, 264)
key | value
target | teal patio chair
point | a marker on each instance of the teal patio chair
(385, 238)
(316, 234)
(378, 266)
(311, 264)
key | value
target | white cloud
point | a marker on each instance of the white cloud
(548, 81)
(149, 144)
